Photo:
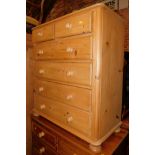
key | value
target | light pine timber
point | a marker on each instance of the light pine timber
(100, 72)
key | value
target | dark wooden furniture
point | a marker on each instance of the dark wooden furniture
(49, 139)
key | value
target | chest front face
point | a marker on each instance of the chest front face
(71, 72)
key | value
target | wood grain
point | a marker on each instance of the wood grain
(79, 73)
(73, 25)
(112, 71)
(73, 96)
(67, 48)
(97, 34)
(45, 135)
(43, 33)
(63, 114)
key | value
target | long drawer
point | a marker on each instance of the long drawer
(76, 24)
(78, 73)
(74, 96)
(68, 48)
(64, 114)
(43, 33)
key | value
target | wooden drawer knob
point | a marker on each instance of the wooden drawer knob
(81, 22)
(69, 49)
(42, 150)
(69, 119)
(68, 25)
(40, 34)
(40, 52)
(69, 97)
(41, 89)
(70, 73)
(41, 134)
(41, 71)
(42, 106)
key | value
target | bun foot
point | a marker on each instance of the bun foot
(95, 148)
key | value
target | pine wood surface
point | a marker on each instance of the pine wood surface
(102, 74)
(70, 95)
(66, 48)
(43, 33)
(74, 25)
(79, 73)
(63, 114)
(112, 31)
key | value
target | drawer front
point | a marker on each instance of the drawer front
(44, 33)
(73, 48)
(74, 96)
(45, 135)
(67, 148)
(63, 114)
(76, 24)
(78, 73)
(40, 148)
(35, 151)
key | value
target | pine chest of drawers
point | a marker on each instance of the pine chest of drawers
(78, 72)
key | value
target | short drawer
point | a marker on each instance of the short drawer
(78, 73)
(43, 33)
(68, 48)
(63, 114)
(43, 134)
(74, 96)
(67, 148)
(39, 148)
(76, 24)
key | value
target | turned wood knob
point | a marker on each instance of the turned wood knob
(69, 97)
(42, 106)
(42, 150)
(41, 71)
(69, 49)
(68, 25)
(70, 73)
(41, 134)
(40, 52)
(80, 22)
(40, 34)
(69, 119)
(41, 89)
